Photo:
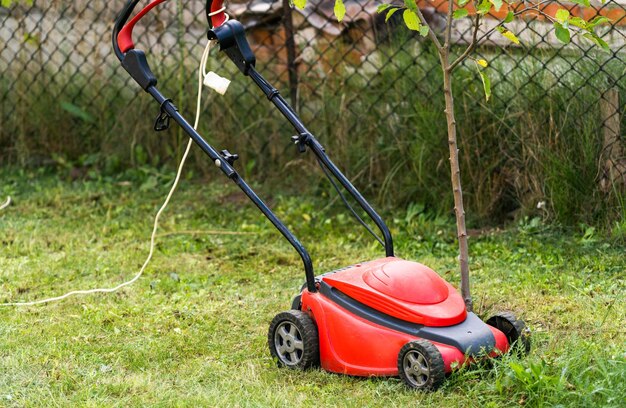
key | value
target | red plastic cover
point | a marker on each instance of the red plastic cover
(406, 290)
(407, 281)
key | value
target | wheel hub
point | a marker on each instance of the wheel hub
(416, 368)
(288, 343)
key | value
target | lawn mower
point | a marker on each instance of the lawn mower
(385, 317)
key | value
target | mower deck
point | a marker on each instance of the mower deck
(366, 313)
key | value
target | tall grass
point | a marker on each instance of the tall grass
(538, 140)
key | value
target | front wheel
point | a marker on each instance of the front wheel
(293, 340)
(421, 366)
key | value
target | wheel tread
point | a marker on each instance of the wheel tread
(520, 329)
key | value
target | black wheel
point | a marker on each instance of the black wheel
(293, 340)
(420, 365)
(514, 329)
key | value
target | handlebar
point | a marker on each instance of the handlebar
(231, 37)
(123, 31)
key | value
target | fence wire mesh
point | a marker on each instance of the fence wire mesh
(340, 76)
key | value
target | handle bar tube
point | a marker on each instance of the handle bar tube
(310, 140)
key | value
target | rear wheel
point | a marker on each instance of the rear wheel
(515, 330)
(421, 366)
(293, 340)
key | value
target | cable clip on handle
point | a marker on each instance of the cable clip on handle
(300, 141)
(162, 121)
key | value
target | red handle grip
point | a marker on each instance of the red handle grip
(216, 17)
(125, 37)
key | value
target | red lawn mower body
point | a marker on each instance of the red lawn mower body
(367, 312)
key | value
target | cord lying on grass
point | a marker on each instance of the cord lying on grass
(201, 74)
(6, 204)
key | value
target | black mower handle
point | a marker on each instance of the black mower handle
(135, 63)
(231, 37)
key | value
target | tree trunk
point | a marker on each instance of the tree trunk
(456, 183)
(290, 43)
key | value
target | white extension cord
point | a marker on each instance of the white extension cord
(209, 79)
(6, 204)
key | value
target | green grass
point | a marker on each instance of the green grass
(192, 331)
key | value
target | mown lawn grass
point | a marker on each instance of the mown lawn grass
(192, 331)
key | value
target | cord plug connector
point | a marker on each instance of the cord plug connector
(217, 83)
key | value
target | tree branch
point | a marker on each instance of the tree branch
(431, 33)
(448, 34)
(475, 40)
(471, 45)
(535, 9)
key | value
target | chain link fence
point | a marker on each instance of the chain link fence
(370, 89)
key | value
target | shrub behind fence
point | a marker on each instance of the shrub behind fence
(553, 131)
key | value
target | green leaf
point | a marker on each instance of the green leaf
(509, 35)
(497, 4)
(562, 15)
(299, 3)
(77, 112)
(340, 10)
(599, 41)
(411, 20)
(462, 3)
(578, 22)
(519, 370)
(484, 78)
(581, 2)
(382, 7)
(561, 32)
(483, 7)
(460, 13)
(424, 30)
(597, 20)
(6, 3)
(509, 17)
(411, 5)
(390, 13)
(486, 84)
